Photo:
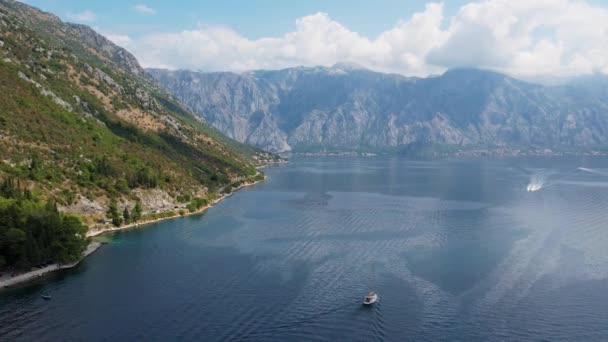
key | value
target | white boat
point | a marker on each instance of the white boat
(370, 299)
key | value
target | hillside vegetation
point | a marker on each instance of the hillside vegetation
(34, 232)
(82, 126)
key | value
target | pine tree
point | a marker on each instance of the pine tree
(113, 213)
(136, 212)
(126, 216)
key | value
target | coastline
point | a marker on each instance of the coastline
(93, 233)
(7, 282)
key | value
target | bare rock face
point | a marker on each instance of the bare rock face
(152, 201)
(46, 92)
(102, 76)
(155, 200)
(146, 101)
(113, 53)
(349, 108)
(84, 206)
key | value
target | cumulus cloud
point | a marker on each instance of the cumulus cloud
(86, 16)
(118, 39)
(141, 8)
(520, 37)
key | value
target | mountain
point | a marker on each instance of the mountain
(82, 124)
(346, 108)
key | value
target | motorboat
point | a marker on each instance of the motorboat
(371, 298)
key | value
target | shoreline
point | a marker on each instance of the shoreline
(93, 233)
(8, 282)
(12, 281)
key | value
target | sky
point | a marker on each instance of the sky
(527, 38)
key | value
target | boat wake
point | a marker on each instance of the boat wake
(303, 321)
(596, 172)
(534, 187)
(546, 178)
(537, 182)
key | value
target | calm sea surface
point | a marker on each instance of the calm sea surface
(458, 250)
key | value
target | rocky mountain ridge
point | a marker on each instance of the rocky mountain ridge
(347, 108)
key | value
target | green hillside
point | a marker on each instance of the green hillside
(82, 126)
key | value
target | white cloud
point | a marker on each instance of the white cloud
(86, 16)
(118, 39)
(520, 37)
(141, 8)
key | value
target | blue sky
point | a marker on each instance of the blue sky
(526, 38)
(252, 19)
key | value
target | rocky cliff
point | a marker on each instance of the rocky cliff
(349, 108)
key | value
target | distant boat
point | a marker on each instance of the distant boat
(46, 297)
(370, 299)
(534, 187)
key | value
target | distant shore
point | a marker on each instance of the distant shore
(10, 281)
(465, 153)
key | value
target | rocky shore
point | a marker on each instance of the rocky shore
(111, 229)
(12, 280)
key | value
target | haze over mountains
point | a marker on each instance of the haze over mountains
(348, 108)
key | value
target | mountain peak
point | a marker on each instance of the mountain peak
(309, 108)
(348, 66)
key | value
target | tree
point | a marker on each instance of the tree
(10, 188)
(122, 186)
(34, 232)
(74, 242)
(34, 168)
(103, 166)
(113, 213)
(15, 247)
(136, 212)
(146, 178)
(126, 216)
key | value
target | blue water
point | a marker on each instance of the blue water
(458, 250)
